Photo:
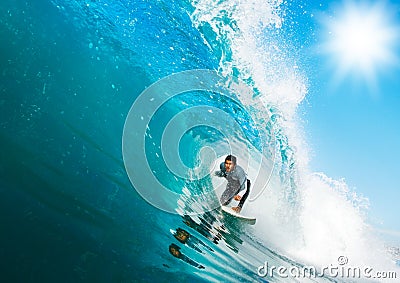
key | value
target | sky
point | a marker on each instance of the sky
(352, 111)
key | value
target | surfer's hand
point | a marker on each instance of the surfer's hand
(237, 197)
(219, 174)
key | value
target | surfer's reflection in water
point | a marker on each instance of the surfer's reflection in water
(204, 228)
(175, 251)
(215, 233)
(189, 240)
(207, 228)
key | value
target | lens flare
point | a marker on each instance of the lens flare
(359, 40)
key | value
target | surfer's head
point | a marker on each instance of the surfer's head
(175, 250)
(230, 163)
(181, 235)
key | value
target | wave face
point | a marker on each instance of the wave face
(72, 71)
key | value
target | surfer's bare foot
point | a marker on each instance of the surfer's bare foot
(237, 209)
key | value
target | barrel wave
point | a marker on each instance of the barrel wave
(115, 115)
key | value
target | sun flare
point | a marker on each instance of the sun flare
(359, 40)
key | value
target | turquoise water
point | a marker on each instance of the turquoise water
(71, 71)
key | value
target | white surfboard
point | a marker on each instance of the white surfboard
(247, 219)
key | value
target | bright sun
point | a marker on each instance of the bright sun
(360, 39)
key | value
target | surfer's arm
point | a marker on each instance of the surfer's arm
(242, 178)
(222, 171)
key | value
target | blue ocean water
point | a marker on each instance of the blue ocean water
(71, 71)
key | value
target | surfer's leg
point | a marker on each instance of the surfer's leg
(227, 196)
(246, 194)
(225, 200)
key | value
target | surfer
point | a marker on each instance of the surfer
(238, 187)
